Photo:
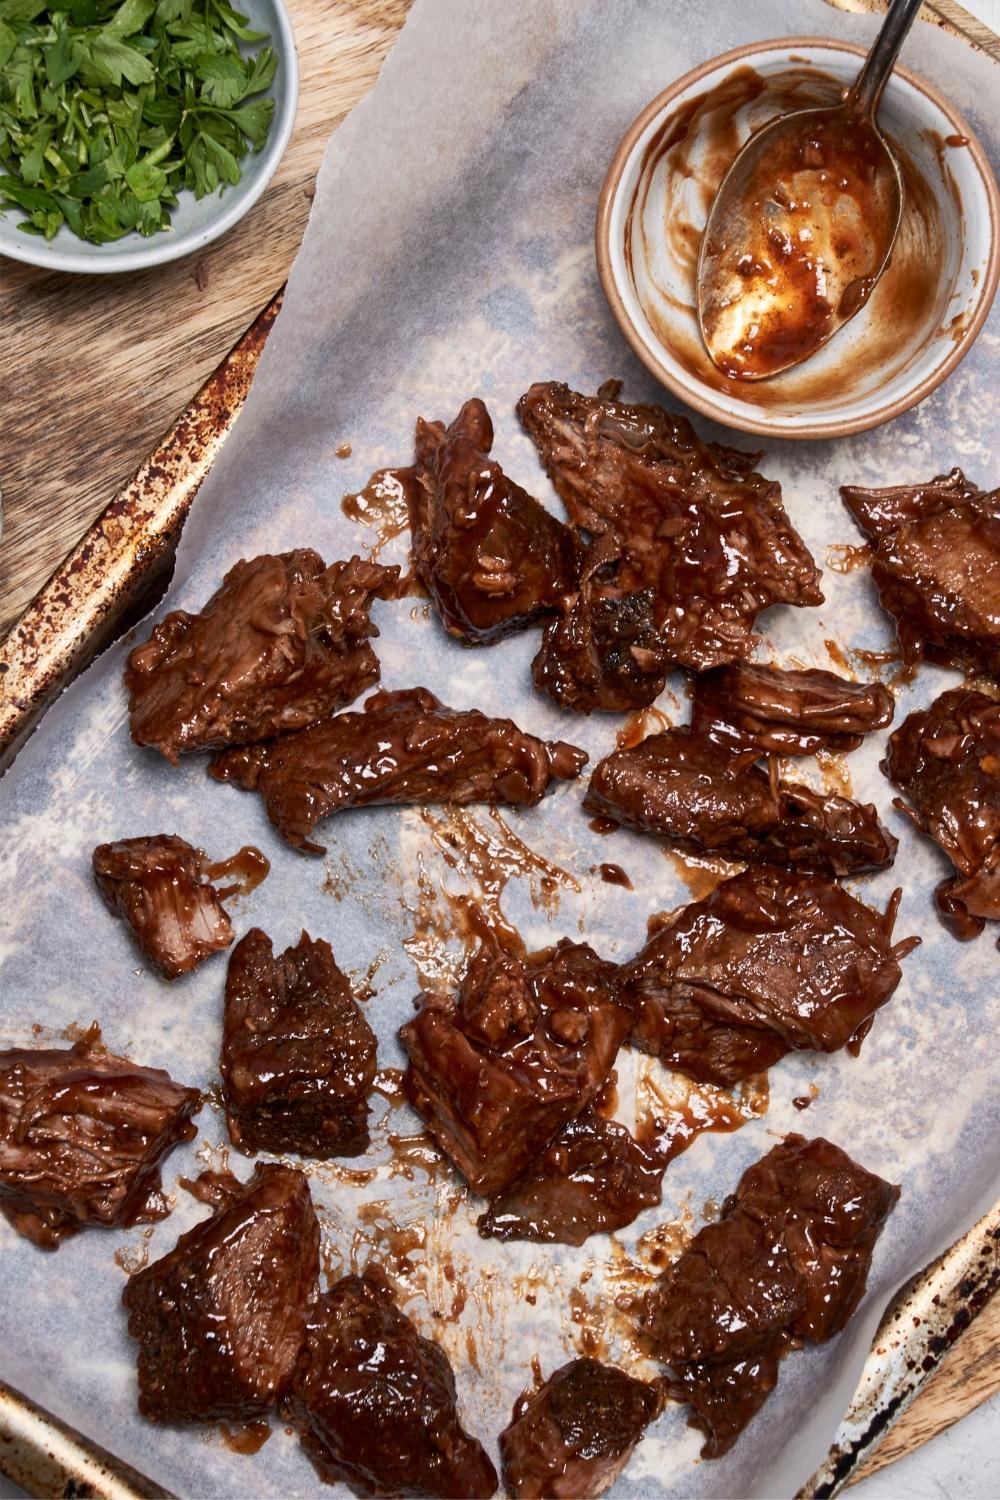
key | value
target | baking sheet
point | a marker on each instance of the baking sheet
(449, 253)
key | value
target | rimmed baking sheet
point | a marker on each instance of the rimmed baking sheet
(462, 289)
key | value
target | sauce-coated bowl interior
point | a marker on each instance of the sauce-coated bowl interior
(922, 316)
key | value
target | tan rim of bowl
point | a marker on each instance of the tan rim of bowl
(753, 423)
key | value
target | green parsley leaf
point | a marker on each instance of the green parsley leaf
(8, 41)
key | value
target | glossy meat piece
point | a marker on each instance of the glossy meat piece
(750, 707)
(159, 887)
(574, 1435)
(593, 1178)
(298, 1057)
(787, 1261)
(281, 644)
(937, 567)
(695, 523)
(724, 1396)
(946, 760)
(404, 747)
(604, 651)
(82, 1136)
(221, 1318)
(374, 1402)
(700, 796)
(526, 1048)
(881, 512)
(492, 559)
(781, 958)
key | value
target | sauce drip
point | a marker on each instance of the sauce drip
(673, 1111)
(845, 558)
(638, 725)
(250, 1438)
(247, 866)
(383, 504)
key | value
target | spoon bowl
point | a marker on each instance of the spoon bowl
(803, 225)
(801, 229)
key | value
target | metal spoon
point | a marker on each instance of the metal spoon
(802, 225)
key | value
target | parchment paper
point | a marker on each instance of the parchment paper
(450, 253)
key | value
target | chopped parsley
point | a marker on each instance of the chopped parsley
(108, 110)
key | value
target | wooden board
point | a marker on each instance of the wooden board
(105, 365)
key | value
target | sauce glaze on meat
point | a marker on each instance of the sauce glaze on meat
(593, 1178)
(404, 747)
(604, 651)
(158, 886)
(787, 1262)
(492, 559)
(221, 1318)
(298, 1057)
(701, 796)
(946, 760)
(374, 1402)
(694, 523)
(282, 643)
(575, 1434)
(937, 567)
(773, 960)
(528, 1045)
(82, 1136)
(776, 712)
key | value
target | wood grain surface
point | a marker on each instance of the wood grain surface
(98, 368)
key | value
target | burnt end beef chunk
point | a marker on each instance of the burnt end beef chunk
(700, 796)
(526, 1048)
(937, 567)
(158, 886)
(694, 523)
(946, 760)
(749, 707)
(773, 960)
(404, 747)
(374, 1402)
(82, 1135)
(575, 1434)
(220, 1320)
(282, 643)
(604, 651)
(298, 1057)
(594, 1177)
(492, 559)
(787, 1261)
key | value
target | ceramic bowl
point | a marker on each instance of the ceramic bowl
(920, 320)
(195, 222)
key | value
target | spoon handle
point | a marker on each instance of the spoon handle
(867, 90)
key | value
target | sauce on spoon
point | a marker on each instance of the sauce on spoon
(813, 223)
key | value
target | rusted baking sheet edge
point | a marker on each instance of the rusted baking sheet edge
(115, 569)
(920, 1325)
(47, 1458)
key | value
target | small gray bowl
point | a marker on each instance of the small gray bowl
(195, 222)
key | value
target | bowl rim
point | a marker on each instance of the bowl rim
(159, 250)
(693, 394)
